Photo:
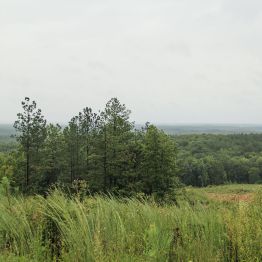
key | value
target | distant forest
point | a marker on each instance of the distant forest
(209, 159)
(104, 152)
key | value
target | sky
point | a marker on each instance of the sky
(169, 61)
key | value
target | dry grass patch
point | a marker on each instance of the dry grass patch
(248, 197)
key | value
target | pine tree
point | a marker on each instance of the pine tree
(116, 130)
(88, 122)
(53, 156)
(31, 133)
(72, 144)
(159, 162)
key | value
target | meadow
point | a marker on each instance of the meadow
(98, 189)
(206, 224)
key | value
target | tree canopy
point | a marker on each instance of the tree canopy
(103, 149)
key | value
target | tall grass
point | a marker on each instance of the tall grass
(62, 228)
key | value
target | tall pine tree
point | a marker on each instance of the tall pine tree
(31, 134)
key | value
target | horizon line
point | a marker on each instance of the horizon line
(174, 124)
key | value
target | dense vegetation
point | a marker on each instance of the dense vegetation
(217, 159)
(102, 152)
(99, 189)
(106, 153)
(78, 228)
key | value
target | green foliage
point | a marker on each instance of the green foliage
(218, 159)
(159, 162)
(53, 158)
(66, 228)
(5, 189)
(7, 144)
(6, 166)
(31, 134)
(105, 150)
(102, 149)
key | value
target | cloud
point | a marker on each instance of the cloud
(169, 61)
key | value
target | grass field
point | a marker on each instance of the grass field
(227, 193)
(201, 227)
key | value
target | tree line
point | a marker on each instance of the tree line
(105, 153)
(210, 159)
(103, 150)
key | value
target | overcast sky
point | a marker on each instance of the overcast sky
(169, 61)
